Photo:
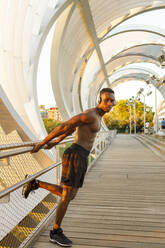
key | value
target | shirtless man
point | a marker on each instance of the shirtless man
(74, 161)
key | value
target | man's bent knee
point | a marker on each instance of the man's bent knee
(68, 194)
(73, 193)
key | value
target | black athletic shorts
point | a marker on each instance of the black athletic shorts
(74, 165)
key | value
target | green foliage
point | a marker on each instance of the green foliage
(64, 147)
(50, 124)
(119, 117)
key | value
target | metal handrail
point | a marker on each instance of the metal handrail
(17, 145)
(24, 150)
(15, 152)
(26, 144)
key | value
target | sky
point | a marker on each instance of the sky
(123, 91)
(132, 89)
(44, 87)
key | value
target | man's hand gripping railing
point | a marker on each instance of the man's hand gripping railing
(27, 147)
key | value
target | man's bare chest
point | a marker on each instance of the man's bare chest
(95, 127)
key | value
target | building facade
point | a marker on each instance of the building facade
(54, 114)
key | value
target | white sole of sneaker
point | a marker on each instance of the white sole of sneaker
(56, 242)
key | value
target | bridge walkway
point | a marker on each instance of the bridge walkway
(122, 203)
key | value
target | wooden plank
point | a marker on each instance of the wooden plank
(82, 242)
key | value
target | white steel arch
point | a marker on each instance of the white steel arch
(136, 72)
(24, 27)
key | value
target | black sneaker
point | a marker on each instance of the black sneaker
(57, 236)
(28, 187)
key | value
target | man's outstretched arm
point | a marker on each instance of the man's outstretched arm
(59, 139)
(66, 128)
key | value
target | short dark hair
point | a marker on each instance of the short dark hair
(106, 90)
(102, 91)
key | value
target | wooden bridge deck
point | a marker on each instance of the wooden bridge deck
(122, 203)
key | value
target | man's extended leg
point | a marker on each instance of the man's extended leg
(53, 188)
(56, 235)
(35, 184)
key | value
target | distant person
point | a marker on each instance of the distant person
(163, 124)
(74, 161)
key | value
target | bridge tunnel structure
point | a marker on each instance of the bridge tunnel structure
(83, 55)
(90, 49)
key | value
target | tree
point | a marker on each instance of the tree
(50, 124)
(119, 117)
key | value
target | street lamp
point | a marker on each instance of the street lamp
(144, 95)
(130, 104)
(156, 112)
(132, 100)
(157, 82)
(136, 98)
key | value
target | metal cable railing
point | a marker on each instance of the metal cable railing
(20, 184)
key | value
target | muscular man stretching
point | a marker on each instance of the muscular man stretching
(74, 161)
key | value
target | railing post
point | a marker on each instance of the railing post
(58, 160)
